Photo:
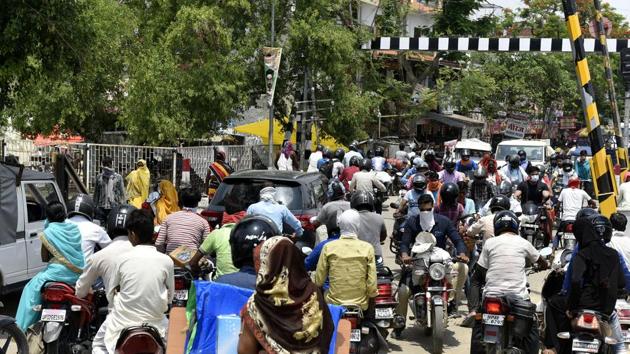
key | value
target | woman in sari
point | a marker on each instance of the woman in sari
(138, 184)
(61, 248)
(287, 312)
(168, 202)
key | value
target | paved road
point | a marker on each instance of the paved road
(457, 340)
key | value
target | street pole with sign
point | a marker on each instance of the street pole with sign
(625, 74)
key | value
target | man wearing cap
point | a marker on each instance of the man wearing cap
(280, 214)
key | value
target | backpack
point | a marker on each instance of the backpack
(326, 168)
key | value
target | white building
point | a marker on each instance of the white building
(417, 23)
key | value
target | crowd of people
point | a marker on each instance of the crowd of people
(288, 310)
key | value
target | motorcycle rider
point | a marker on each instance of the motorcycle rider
(354, 152)
(553, 164)
(500, 270)
(429, 157)
(524, 163)
(513, 171)
(449, 207)
(494, 176)
(620, 241)
(421, 168)
(401, 154)
(326, 158)
(184, 227)
(348, 172)
(583, 169)
(449, 175)
(372, 227)
(103, 264)
(481, 190)
(466, 165)
(533, 189)
(564, 174)
(505, 189)
(314, 157)
(278, 213)
(434, 185)
(366, 180)
(467, 203)
(485, 224)
(81, 212)
(442, 228)
(145, 282)
(419, 165)
(349, 265)
(338, 167)
(572, 200)
(379, 163)
(410, 200)
(336, 205)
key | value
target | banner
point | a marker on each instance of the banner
(515, 129)
(272, 66)
(567, 123)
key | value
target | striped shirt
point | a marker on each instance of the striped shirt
(182, 228)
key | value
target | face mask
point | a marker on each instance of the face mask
(513, 165)
(426, 220)
(534, 178)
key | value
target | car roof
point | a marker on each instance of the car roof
(273, 175)
(524, 142)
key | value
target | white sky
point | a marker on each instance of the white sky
(622, 6)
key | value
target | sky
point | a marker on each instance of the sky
(622, 6)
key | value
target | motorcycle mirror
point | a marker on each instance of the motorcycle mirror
(307, 250)
(546, 252)
(564, 335)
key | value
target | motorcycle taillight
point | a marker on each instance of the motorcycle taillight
(353, 322)
(54, 295)
(384, 290)
(493, 306)
(568, 228)
(588, 321)
(180, 283)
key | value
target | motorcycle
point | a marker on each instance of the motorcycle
(623, 312)
(67, 319)
(587, 333)
(533, 226)
(140, 339)
(183, 280)
(11, 336)
(365, 337)
(567, 238)
(385, 315)
(506, 320)
(399, 219)
(429, 269)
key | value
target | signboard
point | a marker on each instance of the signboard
(593, 30)
(271, 57)
(567, 123)
(515, 129)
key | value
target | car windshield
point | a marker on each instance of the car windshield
(474, 154)
(247, 192)
(534, 153)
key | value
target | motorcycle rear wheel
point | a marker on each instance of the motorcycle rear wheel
(437, 323)
(15, 335)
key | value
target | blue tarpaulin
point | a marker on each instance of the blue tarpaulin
(214, 299)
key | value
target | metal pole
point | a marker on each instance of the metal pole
(273, 38)
(315, 120)
(303, 120)
(603, 176)
(622, 156)
(626, 116)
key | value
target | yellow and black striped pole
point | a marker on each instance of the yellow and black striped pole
(603, 177)
(622, 153)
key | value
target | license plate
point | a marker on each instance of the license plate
(384, 313)
(181, 295)
(585, 347)
(493, 320)
(355, 335)
(568, 236)
(53, 315)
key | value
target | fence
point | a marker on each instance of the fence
(163, 162)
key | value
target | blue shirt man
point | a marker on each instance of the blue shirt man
(583, 167)
(267, 206)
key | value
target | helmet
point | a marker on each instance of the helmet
(505, 221)
(603, 227)
(480, 173)
(362, 200)
(515, 161)
(498, 203)
(326, 153)
(320, 147)
(429, 155)
(339, 154)
(82, 204)
(585, 213)
(379, 151)
(567, 166)
(421, 165)
(417, 160)
(247, 234)
(574, 182)
(432, 175)
(117, 219)
(366, 164)
(449, 193)
(553, 157)
(449, 165)
(354, 161)
(336, 190)
(505, 188)
(465, 153)
(354, 146)
(521, 154)
(419, 182)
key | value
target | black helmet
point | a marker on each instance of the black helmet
(419, 182)
(498, 203)
(362, 200)
(449, 193)
(567, 166)
(505, 221)
(521, 154)
(429, 154)
(553, 157)
(320, 147)
(379, 151)
(585, 213)
(336, 190)
(247, 234)
(339, 154)
(465, 153)
(366, 164)
(515, 161)
(83, 205)
(421, 165)
(117, 220)
(505, 188)
(354, 146)
(355, 161)
(602, 227)
(480, 173)
(327, 153)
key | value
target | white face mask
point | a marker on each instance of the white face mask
(426, 220)
(534, 178)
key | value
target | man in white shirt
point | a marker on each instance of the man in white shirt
(313, 158)
(620, 240)
(81, 213)
(146, 282)
(623, 198)
(573, 199)
(354, 152)
(104, 264)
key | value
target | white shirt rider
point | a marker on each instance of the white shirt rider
(91, 235)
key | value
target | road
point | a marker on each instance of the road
(457, 340)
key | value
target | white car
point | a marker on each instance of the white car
(24, 195)
(538, 151)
